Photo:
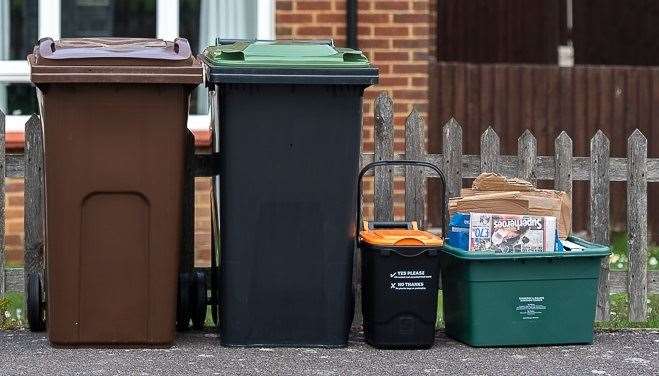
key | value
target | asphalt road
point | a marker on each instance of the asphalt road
(618, 353)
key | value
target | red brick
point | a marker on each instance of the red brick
(420, 30)
(284, 5)
(14, 213)
(394, 81)
(401, 107)
(14, 185)
(202, 183)
(421, 5)
(394, 31)
(331, 17)
(411, 43)
(392, 5)
(314, 30)
(13, 240)
(362, 5)
(313, 5)
(391, 56)
(15, 200)
(374, 18)
(419, 81)
(374, 43)
(384, 68)
(412, 18)
(294, 18)
(410, 94)
(410, 68)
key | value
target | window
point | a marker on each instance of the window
(23, 22)
(18, 31)
(109, 18)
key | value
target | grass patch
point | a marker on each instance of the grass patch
(620, 314)
(619, 259)
(12, 315)
(439, 324)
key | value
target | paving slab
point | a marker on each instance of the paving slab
(613, 353)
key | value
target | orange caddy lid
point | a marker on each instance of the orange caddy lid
(399, 236)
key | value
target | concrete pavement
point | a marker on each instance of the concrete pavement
(614, 353)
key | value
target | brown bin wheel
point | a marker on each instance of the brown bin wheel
(36, 309)
(199, 300)
(183, 303)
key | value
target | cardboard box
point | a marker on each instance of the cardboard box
(495, 194)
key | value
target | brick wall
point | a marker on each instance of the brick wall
(396, 35)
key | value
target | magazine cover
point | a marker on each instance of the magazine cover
(508, 233)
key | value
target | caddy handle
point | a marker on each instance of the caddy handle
(431, 166)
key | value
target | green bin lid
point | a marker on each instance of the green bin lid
(284, 54)
(287, 61)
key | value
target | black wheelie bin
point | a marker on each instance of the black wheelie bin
(289, 132)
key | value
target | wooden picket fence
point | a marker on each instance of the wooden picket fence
(563, 168)
(599, 169)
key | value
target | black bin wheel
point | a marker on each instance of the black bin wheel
(183, 302)
(199, 300)
(36, 309)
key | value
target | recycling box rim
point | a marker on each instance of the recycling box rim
(591, 250)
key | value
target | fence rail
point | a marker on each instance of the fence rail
(562, 167)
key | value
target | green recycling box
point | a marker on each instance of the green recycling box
(521, 299)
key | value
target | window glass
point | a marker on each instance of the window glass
(108, 18)
(18, 34)
(18, 28)
(18, 99)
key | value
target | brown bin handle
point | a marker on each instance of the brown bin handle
(46, 46)
(431, 166)
(182, 47)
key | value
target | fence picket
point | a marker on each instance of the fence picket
(527, 150)
(600, 148)
(637, 225)
(3, 276)
(452, 157)
(490, 150)
(384, 150)
(34, 196)
(415, 197)
(563, 165)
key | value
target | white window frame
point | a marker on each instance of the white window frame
(167, 20)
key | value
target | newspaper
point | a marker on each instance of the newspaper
(508, 233)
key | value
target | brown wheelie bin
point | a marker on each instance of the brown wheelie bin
(114, 114)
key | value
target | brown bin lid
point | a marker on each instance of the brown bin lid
(121, 60)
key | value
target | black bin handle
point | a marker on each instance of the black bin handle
(431, 166)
